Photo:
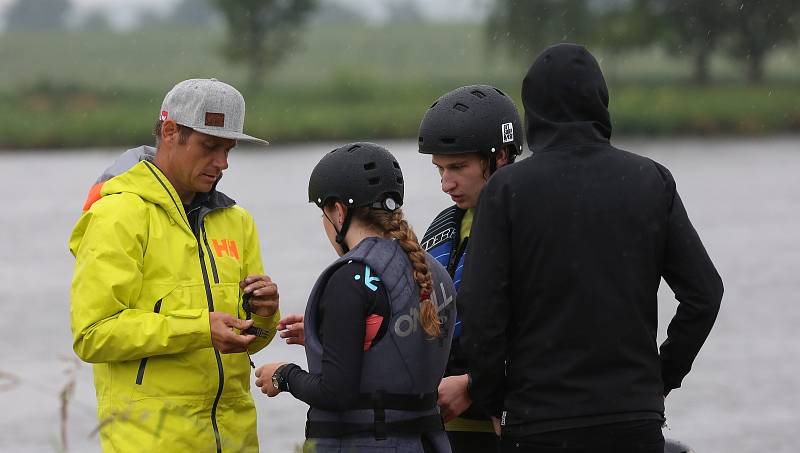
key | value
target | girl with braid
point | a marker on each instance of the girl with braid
(378, 323)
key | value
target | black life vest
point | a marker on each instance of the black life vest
(401, 372)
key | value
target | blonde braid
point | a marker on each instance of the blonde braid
(395, 226)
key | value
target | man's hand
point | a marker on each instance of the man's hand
(263, 294)
(453, 396)
(496, 426)
(224, 339)
(292, 329)
(264, 378)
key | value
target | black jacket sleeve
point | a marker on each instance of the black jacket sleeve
(345, 304)
(484, 300)
(697, 286)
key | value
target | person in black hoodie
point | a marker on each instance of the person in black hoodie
(559, 296)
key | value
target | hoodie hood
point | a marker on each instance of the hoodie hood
(122, 164)
(135, 172)
(565, 99)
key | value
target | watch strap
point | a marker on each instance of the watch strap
(279, 380)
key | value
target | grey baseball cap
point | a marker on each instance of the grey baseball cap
(208, 106)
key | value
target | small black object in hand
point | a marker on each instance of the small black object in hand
(246, 303)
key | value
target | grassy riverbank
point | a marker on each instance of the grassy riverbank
(77, 117)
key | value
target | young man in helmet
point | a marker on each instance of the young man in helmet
(469, 132)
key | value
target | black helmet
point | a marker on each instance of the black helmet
(473, 118)
(358, 174)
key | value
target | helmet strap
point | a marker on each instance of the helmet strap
(492, 163)
(341, 233)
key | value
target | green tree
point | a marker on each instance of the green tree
(758, 27)
(192, 12)
(262, 32)
(95, 20)
(627, 25)
(403, 11)
(694, 28)
(37, 14)
(524, 28)
(330, 12)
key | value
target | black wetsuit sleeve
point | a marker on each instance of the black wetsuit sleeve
(483, 299)
(345, 304)
(691, 275)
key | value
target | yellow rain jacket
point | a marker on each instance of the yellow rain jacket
(143, 286)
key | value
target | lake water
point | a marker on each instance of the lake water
(743, 197)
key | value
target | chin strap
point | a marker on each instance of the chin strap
(492, 164)
(340, 234)
(510, 157)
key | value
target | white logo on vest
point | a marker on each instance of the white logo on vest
(409, 323)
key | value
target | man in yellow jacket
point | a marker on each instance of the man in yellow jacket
(168, 297)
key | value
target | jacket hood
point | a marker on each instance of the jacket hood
(135, 172)
(565, 99)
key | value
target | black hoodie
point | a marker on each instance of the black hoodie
(567, 252)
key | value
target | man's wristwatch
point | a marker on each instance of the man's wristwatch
(278, 381)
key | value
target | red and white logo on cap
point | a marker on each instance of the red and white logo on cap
(164, 115)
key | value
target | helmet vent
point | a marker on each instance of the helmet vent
(434, 104)
(448, 140)
(501, 93)
(369, 166)
(461, 107)
(396, 165)
(374, 181)
(353, 148)
(479, 94)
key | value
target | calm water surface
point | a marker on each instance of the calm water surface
(742, 195)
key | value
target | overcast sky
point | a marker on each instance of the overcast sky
(124, 12)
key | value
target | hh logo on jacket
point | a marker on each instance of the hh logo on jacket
(225, 247)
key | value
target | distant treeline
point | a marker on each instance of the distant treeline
(348, 80)
(260, 35)
(745, 30)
